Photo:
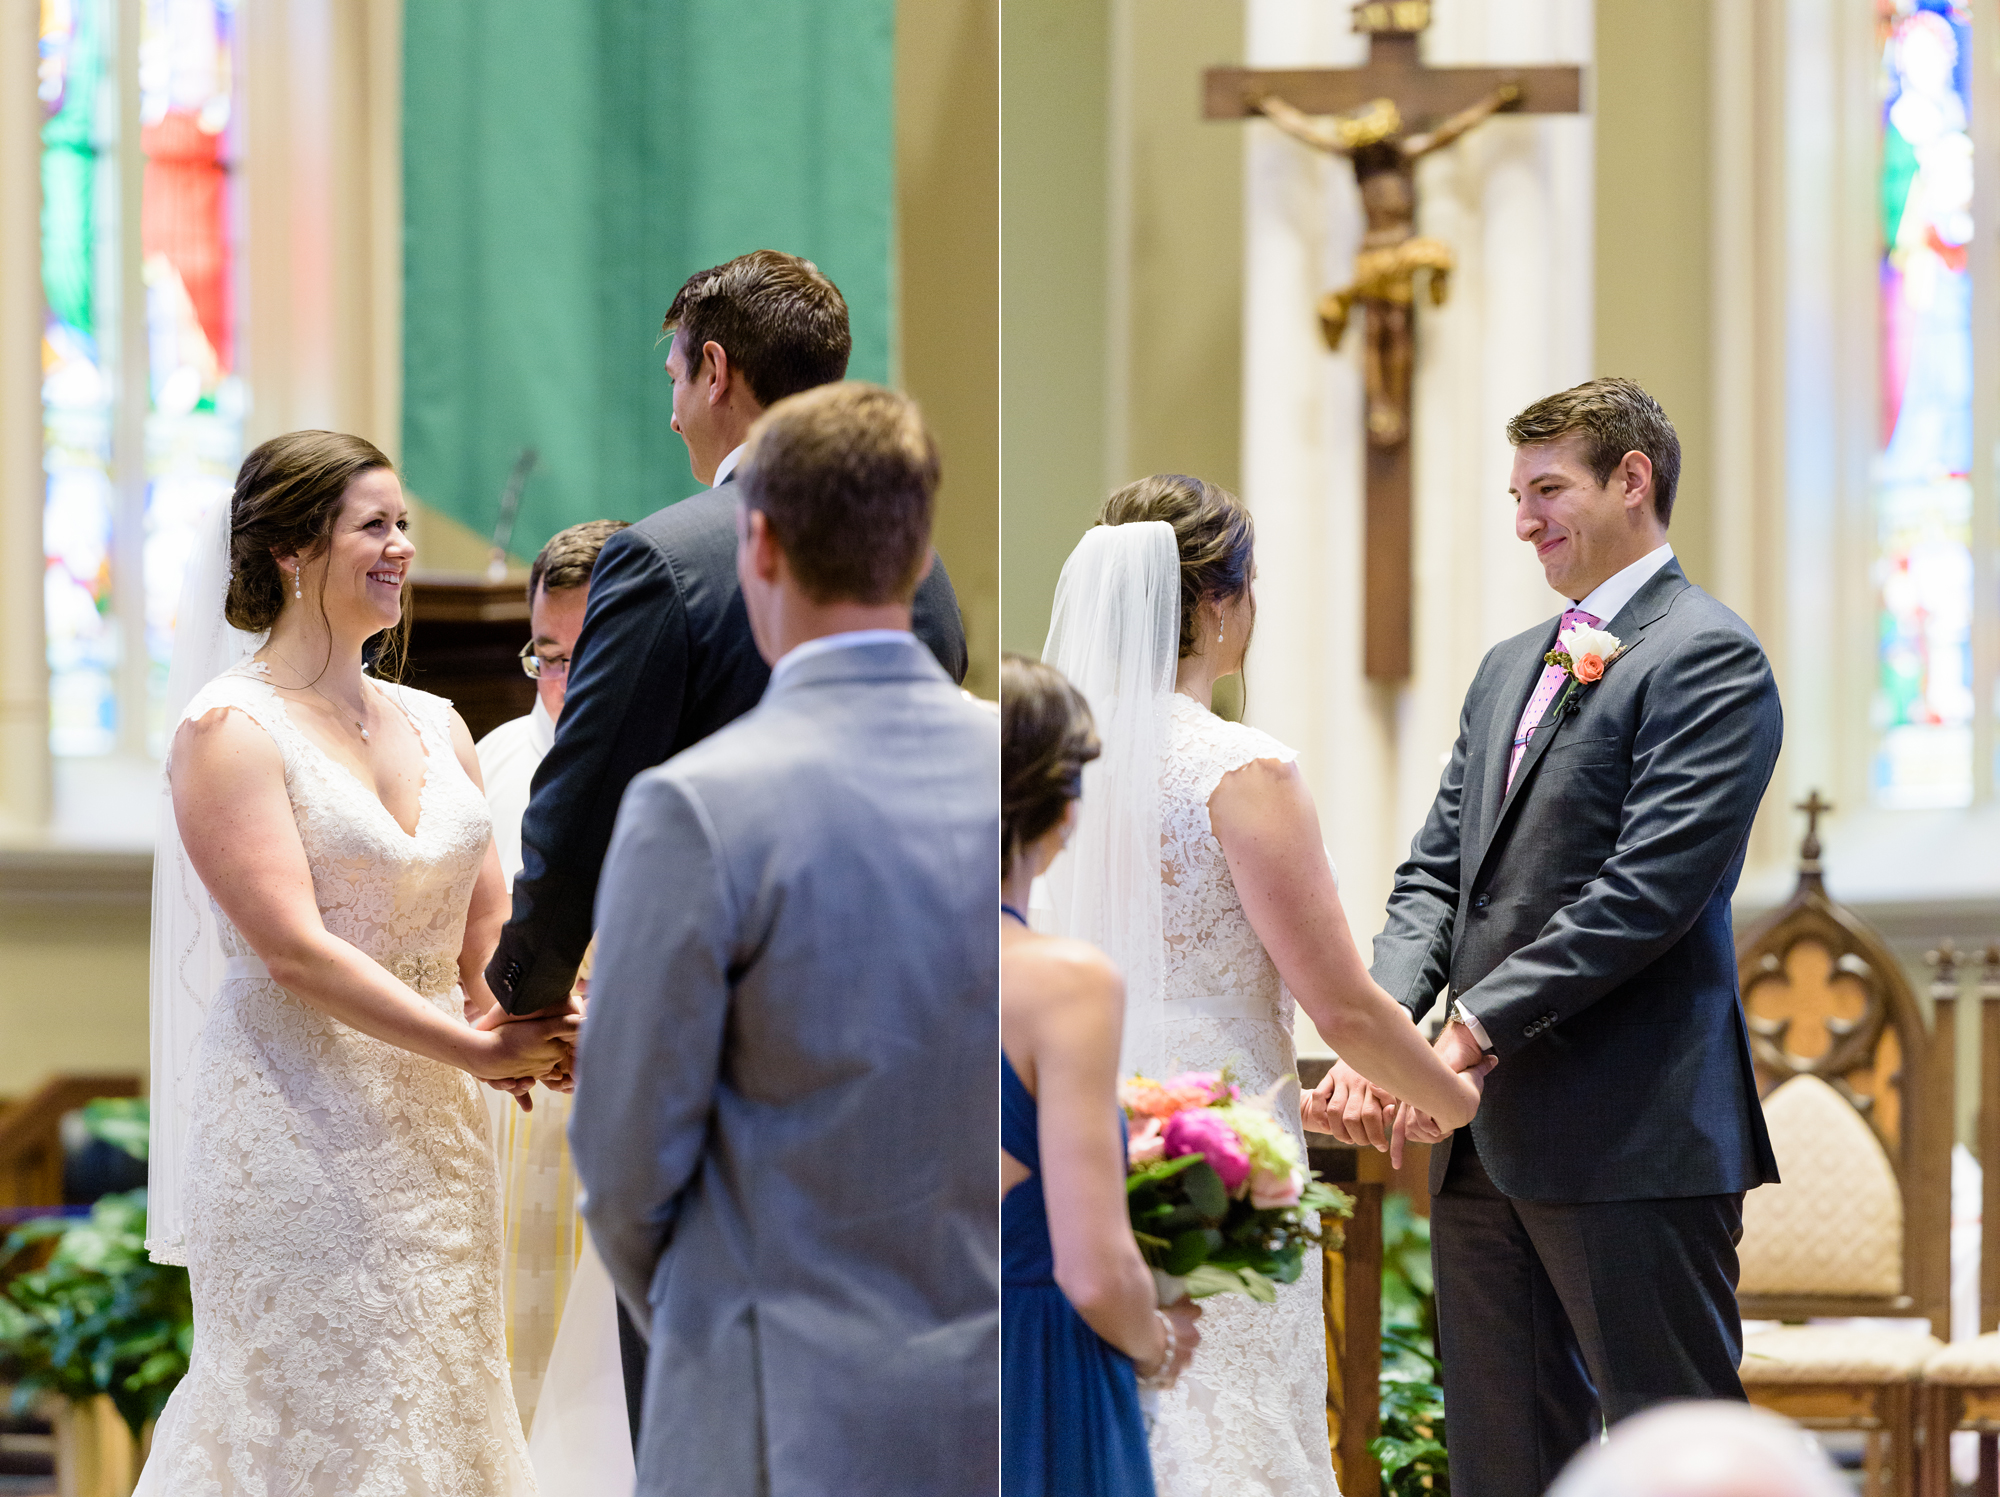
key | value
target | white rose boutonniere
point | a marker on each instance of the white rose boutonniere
(1584, 654)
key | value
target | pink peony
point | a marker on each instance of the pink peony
(1271, 1192)
(1199, 1131)
(1147, 1146)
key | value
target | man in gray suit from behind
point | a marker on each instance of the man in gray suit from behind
(1568, 896)
(785, 1120)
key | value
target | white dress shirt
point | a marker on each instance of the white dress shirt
(728, 465)
(1601, 602)
(508, 759)
(1614, 592)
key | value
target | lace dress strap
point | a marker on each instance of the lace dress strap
(1229, 746)
(246, 689)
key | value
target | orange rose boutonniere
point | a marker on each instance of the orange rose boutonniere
(1584, 654)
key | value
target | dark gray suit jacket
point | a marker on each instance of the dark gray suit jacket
(785, 1118)
(1583, 916)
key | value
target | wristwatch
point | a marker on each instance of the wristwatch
(1472, 1026)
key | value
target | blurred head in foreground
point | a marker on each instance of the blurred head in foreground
(1703, 1450)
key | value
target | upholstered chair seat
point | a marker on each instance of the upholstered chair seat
(1797, 1354)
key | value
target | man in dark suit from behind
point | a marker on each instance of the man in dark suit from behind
(665, 656)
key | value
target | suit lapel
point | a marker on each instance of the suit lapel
(1507, 711)
(1646, 608)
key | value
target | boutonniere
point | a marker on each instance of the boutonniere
(1584, 655)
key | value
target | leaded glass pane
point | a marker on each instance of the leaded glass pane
(1923, 569)
(194, 419)
(79, 277)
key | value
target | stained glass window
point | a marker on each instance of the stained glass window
(194, 418)
(79, 335)
(181, 360)
(1923, 488)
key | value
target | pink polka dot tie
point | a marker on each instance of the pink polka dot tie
(1552, 680)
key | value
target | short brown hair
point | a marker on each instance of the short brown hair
(1046, 737)
(780, 320)
(847, 476)
(1212, 533)
(567, 560)
(1613, 416)
(287, 496)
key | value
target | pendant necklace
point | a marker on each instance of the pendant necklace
(314, 689)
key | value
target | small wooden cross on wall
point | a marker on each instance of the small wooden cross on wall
(1375, 100)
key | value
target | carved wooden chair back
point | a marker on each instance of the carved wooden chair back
(1857, 1087)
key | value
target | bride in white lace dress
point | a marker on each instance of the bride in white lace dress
(323, 1162)
(1198, 866)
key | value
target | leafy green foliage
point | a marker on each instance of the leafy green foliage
(1411, 1447)
(100, 1317)
(123, 1121)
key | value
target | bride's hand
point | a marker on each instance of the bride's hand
(525, 1047)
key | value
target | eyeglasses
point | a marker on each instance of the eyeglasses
(536, 667)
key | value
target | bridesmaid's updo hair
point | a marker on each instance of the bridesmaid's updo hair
(1212, 532)
(1046, 737)
(287, 496)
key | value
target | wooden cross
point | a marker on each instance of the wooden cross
(1814, 808)
(1394, 85)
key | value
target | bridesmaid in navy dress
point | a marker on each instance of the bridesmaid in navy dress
(1079, 1329)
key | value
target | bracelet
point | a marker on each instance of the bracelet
(1162, 1375)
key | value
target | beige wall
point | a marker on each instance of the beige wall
(1121, 272)
(948, 314)
(1653, 216)
(72, 989)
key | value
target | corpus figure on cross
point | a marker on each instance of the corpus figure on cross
(1392, 252)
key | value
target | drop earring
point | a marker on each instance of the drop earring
(297, 591)
(1218, 632)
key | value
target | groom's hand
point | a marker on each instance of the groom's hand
(1350, 1107)
(1458, 1049)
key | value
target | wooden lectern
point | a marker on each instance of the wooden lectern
(465, 642)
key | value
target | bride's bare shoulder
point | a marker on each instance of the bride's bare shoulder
(221, 741)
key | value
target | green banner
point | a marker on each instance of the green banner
(565, 168)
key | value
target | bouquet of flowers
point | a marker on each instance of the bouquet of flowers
(1220, 1200)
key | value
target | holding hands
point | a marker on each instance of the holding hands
(1354, 1110)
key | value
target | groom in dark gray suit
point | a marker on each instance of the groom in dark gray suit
(785, 1116)
(1569, 898)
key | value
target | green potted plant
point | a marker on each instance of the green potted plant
(1411, 1447)
(100, 1325)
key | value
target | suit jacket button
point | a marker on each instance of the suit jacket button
(1482, 901)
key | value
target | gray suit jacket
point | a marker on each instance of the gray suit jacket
(1583, 916)
(785, 1119)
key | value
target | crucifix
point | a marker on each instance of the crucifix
(1369, 105)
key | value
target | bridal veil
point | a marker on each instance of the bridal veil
(187, 958)
(1115, 633)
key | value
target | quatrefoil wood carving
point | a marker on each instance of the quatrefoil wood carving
(1815, 1011)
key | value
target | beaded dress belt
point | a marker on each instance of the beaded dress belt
(429, 972)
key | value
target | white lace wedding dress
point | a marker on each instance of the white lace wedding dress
(1248, 1417)
(343, 1205)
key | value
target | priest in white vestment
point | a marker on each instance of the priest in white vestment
(562, 1328)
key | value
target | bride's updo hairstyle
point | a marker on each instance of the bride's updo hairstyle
(288, 494)
(1212, 532)
(1046, 737)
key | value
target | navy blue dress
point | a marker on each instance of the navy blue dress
(1069, 1422)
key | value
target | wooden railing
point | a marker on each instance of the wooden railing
(31, 1150)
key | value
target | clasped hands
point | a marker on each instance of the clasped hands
(1354, 1110)
(547, 1053)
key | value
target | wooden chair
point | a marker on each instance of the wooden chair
(1962, 1383)
(1857, 1091)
